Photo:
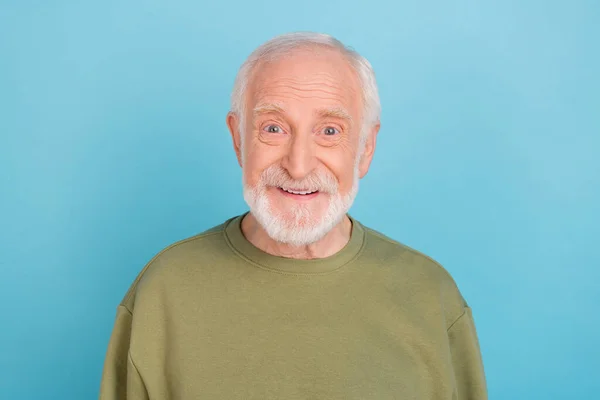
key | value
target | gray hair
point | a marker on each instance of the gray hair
(280, 45)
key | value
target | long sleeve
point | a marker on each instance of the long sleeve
(120, 377)
(466, 359)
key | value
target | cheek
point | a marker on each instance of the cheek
(341, 165)
(347, 179)
(251, 173)
(255, 161)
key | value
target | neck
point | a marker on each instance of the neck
(330, 244)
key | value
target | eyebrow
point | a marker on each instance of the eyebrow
(333, 112)
(268, 108)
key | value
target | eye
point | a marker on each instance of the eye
(273, 129)
(330, 131)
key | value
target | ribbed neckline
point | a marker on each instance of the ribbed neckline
(241, 245)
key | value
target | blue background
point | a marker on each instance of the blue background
(113, 145)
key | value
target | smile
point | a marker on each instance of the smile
(301, 192)
(298, 193)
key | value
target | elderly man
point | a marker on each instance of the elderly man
(296, 299)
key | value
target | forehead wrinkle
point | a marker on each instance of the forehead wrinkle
(304, 85)
(317, 86)
(343, 77)
(302, 93)
(312, 78)
(311, 81)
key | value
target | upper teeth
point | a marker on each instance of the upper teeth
(296, 192)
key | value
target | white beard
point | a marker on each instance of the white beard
(301, 228)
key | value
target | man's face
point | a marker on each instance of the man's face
(299, 146)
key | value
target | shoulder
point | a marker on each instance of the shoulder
(411, 260)
(179, 257)
(413, 270)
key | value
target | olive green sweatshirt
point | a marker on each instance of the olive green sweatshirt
(213, 317)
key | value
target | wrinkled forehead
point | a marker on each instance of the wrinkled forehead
(313, 76)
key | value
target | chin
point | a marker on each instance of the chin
(298, 225)
(295, 234)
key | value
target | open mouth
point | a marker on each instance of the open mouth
(299, 192)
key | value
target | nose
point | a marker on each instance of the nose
(300, 158)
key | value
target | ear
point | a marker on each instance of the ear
(233, 123)
(369, 150)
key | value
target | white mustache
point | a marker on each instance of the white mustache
(320, 181)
